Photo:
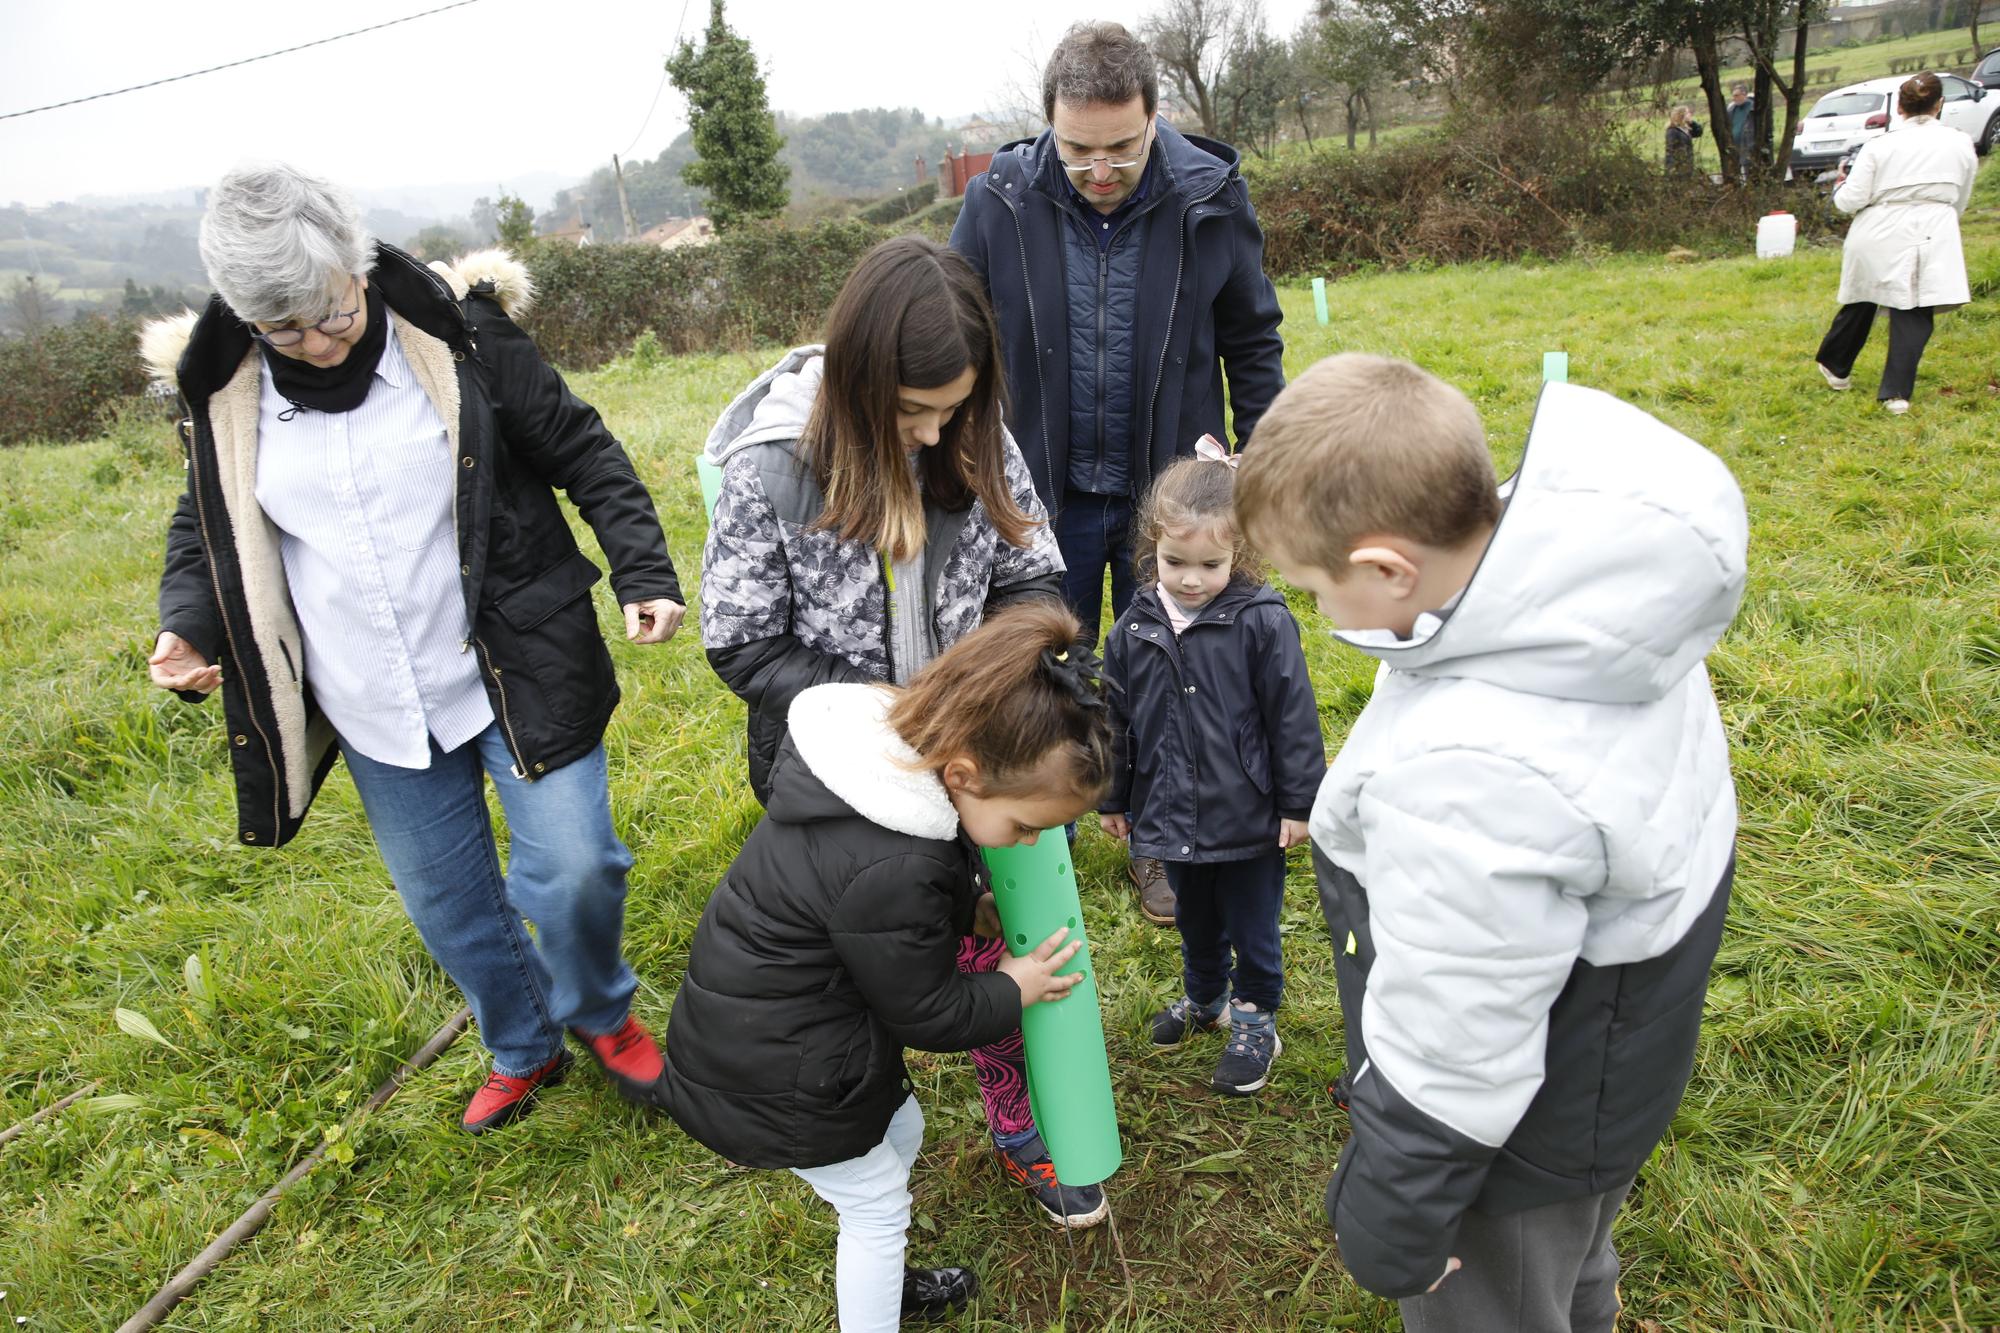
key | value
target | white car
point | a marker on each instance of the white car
(1846, 118)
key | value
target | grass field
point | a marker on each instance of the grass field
(1833, 1165)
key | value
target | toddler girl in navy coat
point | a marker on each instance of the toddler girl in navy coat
(1221, 757)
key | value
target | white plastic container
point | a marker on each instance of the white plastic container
(1776, 233)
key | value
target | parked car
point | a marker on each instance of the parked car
(1987, 72)
(1846, 118)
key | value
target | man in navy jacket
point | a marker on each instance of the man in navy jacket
(1126, 270)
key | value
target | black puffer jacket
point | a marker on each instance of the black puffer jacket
(519, 435)
(830, 945)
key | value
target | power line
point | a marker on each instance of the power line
(661, 87)
(250, 60)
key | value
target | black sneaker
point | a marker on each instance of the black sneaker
(1245, 1066)
(1067, 1205)
(931, 1294)
(1183, 1018)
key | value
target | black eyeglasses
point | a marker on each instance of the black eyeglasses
(332, 326)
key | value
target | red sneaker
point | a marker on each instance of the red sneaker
(631, 1059)
(506, 1099)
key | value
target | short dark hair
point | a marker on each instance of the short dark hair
(1100, 62)
(1920, 95)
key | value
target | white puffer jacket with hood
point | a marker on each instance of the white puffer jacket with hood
(1537, 794)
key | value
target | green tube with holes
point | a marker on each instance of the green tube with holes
(1069, 1075)
(711, 482)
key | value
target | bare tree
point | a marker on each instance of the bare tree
(31, 308)
(1015, 102)
(1254, 85)
(1194, 41)
(1353, 52)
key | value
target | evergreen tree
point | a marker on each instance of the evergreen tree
(736, 140)
(514, 221)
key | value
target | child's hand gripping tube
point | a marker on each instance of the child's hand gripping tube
(1069, 1076)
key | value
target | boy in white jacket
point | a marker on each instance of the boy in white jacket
(1526, 843)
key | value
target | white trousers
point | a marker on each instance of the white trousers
(872, 1195)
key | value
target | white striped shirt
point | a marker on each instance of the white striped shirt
(363, 503)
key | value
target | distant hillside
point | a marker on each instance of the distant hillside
(845, 155)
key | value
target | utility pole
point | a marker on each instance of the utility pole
(624, 204)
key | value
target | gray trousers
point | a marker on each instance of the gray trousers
(1543, 1270)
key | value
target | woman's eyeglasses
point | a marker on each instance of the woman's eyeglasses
(332, 326)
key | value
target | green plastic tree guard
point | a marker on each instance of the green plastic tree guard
(1069, 1075)
(711, 482)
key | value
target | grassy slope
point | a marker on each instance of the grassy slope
(1832, 1166)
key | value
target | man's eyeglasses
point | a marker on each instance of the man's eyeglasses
(1079, 168)
(332, 326)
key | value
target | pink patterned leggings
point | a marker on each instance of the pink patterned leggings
(1002, 1068)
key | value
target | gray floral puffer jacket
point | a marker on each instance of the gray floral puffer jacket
(786, 606)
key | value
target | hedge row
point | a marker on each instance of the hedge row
(64, 383)
(768, 283)
(896, 207)
(1542, 183)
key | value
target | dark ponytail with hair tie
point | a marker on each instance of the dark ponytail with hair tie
(1078, 673)
(1015, 691)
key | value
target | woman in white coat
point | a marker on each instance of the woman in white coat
(1907, 189)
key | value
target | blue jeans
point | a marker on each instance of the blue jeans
(1222, 903)
(1092, 532)
(565, 872)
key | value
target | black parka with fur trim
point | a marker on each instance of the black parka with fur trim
(518, 434)
(830, 945)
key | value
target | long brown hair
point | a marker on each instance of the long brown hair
(1195, 495)
(1007, 695)
(912, 314)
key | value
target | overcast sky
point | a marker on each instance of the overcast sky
(492, 92)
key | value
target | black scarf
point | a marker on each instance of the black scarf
(340, 388)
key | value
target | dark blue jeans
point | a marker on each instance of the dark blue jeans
(1218, 904)
(1095, 531)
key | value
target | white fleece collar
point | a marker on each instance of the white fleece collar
(842, 732)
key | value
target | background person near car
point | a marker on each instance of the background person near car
(1907, 190)
(1682, 130)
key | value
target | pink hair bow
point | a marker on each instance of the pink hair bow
(1210, 448)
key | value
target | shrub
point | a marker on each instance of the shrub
(763, 282)
(896, 207)
(1543, 183)
(66, 383)
(937, 221)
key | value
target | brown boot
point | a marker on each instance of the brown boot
(1156, 896)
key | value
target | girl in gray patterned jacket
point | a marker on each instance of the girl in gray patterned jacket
(873, 511)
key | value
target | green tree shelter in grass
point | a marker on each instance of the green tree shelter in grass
(736, 140)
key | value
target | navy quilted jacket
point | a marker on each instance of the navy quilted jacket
(1102, 288)
(1218, 729)
(1201, 304)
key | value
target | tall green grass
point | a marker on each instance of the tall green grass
(1831, 1168)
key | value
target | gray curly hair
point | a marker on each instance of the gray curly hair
(278, 243)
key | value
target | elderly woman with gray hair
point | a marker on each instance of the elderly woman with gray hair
(1907, 190)
(370, 561)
